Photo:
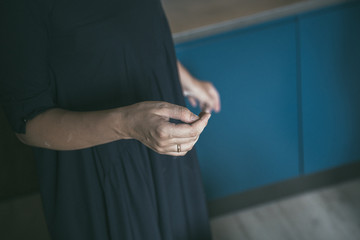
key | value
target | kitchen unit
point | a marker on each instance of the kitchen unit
(289, 79)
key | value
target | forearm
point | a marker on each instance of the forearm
(59, 129)
(186, 79)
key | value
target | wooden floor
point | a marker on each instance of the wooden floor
(331, 213)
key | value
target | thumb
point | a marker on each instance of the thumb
(202, 122)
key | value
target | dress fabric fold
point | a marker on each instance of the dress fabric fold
(88, 55)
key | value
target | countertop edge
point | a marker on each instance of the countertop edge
(254, 19)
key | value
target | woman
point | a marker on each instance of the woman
(94, 87)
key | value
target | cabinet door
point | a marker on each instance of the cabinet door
(330, 63)
(254, 140)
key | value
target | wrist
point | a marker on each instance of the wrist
(187, 81)
(190, 87)
(119, 122)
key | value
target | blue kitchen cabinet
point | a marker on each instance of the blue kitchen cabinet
(254, 140)
(330, 75)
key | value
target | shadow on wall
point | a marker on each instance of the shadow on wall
(23, 218)
(21, 215)
(17, 165)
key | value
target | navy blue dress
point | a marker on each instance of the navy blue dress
(86, 55)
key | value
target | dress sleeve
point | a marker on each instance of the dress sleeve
(26, 83)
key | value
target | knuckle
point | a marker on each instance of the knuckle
(161, 144)
(160, 132)
(163, 134)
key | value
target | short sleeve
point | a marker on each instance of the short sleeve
(26, 82)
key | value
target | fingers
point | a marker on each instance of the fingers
(207, 96)
(175, 141)
(192, 101)
(202, 122)
(212, 102)
(164, 137)
(177, 112)
(184, 135)
(182, 131)
(213, 98)
(206, 108)
(216, 99)
(187, 130)
(180, 148)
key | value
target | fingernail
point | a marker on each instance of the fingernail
(207, 110)
(194, 117)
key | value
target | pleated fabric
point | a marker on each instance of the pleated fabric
(86, 55)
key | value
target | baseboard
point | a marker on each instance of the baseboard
(283, 189)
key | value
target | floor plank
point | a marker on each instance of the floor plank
(331, 213)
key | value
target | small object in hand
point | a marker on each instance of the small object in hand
(206, 108)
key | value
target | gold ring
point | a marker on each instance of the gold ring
(178, 148)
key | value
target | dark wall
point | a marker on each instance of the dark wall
(17, 165)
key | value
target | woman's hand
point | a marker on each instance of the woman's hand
(149, 123)
(199, 92)
(203, 93)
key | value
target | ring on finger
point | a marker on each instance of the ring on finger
(178, 148)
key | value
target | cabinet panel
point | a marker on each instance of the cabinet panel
(330, 64)
(254, 140)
